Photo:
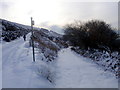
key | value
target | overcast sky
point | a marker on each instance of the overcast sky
(58, 12)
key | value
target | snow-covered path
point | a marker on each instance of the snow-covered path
(74, 71)
(18, 70)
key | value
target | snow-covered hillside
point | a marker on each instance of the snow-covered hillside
(70, 70)
(17, 56)
(56, 65)
(12, 31)
(48, 43)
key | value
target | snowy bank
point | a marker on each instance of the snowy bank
(108, 61)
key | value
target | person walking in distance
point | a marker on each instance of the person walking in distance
(24, 36)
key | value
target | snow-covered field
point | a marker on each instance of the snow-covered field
(72, 70)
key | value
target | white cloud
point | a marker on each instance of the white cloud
(58, 12)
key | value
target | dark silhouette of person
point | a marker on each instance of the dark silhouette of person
(24, 36)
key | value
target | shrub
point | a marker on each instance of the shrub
(94, 34)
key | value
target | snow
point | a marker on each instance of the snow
(68, 71)
(0, 56)
(17, 25)
(18, 69)
(0, 67)
(74, 71)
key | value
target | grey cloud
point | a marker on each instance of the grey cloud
(57, 29)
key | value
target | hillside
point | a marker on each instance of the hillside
(56, 65)
(12, 31)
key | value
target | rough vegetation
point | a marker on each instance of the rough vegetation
(48, 42)
(94, 34)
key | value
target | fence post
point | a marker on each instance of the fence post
(32, 23)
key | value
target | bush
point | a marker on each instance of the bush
(93, 34)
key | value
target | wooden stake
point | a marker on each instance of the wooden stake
(32, 23)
